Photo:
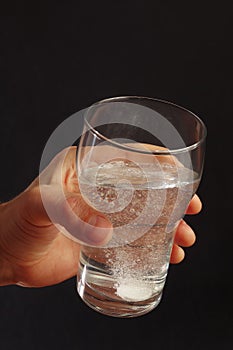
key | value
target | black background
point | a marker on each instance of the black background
(57, 58)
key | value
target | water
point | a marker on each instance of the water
(144, 203)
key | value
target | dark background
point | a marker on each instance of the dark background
(60, 57)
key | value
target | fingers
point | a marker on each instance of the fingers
(184, 237)
(195, 205)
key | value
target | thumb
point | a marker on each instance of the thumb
(70, 214)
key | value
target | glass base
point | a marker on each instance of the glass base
(102, 302)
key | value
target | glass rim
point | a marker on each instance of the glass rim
(150, 152)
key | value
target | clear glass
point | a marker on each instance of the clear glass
(140, 161)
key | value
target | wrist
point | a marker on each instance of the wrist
(6, 272)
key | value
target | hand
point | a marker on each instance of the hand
(34, 252)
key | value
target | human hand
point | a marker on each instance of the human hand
(34, 252)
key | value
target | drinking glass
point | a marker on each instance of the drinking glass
(139, 162)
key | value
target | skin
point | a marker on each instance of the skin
(33, 250)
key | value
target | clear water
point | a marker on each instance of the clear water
(126, 277)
